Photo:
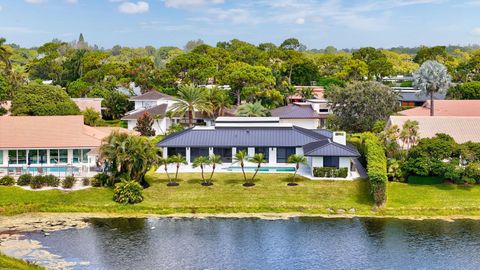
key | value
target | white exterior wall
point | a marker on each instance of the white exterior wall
(131, 124)
(251, 151)
(160, 126)
(344, 162)
(303, 123)
(272, 155)
(187, 153)
(299, 151)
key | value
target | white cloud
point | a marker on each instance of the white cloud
(300, 21)
(35, 1)
(72, 1)
(476, 31)
(133, 8)
(191, 3)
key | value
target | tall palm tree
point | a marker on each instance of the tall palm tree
(214, 160)
(5, 54)
(241, 157)
(178, 160)
(306, 93)
(252, 110)
(409, 133)
(201, 162)
(258, 159)
(432, 77)
(191, 99)
(297, 160)
(220, 100)
(164, 162)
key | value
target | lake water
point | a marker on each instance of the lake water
(299, 243)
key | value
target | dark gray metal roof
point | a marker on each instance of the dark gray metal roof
(329, 148)
(152, 95)
(153, 111)
(294, 111)
(412, 96)
(242, 136)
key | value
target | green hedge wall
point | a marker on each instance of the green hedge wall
(330, 172)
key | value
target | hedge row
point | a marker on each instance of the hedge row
(330, 172)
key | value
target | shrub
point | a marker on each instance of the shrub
(24, 179)
(37, 182)
(469, 180)
(425, 180)
(473, 171)
(102, 180)
(95, 183)
(454, 173)
(7, 181)
(376, 167)
(417, 166)
(330, 172)
(394, 170)
(68, 182)
(128, 192)
(86, 181)
(52, 180)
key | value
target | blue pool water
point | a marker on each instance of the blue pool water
(263, 169)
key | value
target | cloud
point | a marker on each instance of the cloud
(133, 8)
(72, 1)
(476, 31)
(191, 3)
(35, 1)
(300, 21)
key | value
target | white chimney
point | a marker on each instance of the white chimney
(339, 137)
(316, 107)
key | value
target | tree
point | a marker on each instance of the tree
(258, 159)
(220, 100)
(436, 53)
(192, 44)
(377, 62)
(178, 160)
(241, 157)
(145, 125)
(214, 160)
(468, 90)
(190, 100)
(353, 70)
(116, 105)
(201, 162)
(91, 117)
(165, 162)
(5, 54)
(432, 77)
(192, 68)
(306, 93)
(38, 99)
(359, 105)
(297, 160)
(128, 155)
(252, 110)
(293, 44)
(409, 133)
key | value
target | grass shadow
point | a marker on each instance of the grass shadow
(447, 186)
(363, 195)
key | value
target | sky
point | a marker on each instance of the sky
(316, 23)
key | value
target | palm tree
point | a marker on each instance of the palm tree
(252, 110)
(306, 93)
(241, 157)
(409, 133)
(297, 160)
(191, 99)
(164, 162)
(258, 159)
(5, 54)
(214, 160)
(201, 162)
(432, 77)
(178, 160)
(220, 100)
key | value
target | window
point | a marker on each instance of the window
(53, 156)
(225, 153)
(22, 156)
(77, 153)
(84, 155)
(63, 155)
(32, 157)
(198, 152)
(1, 156)
(241, 148)
(42, 156)
(12, 156)
(171, 151)
(283, 153)
(263, 150)
(331, 161)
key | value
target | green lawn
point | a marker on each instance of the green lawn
(14, 264)
(271, 194)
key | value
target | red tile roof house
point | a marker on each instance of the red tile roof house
(57, 145)
(465, 108)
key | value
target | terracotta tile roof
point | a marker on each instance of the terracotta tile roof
(84, 103)
(50, 132)
(153, 111)
(294, 111)
(446, 108)
(318, 92)
(152, 95)
(462, 129)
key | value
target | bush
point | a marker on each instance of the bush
(37, 182)
(24, 179)
(469, 180)
(417, 166)
(95, 183)
(86, 181)
(473, 171)
(101, 180)
(454, 173)
(7, 181)
(68, 182)
(425, 180)
(376, 167)
(330, 172)
(128, 192)
(52, 180)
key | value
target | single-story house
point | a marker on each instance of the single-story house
(277, 141)
(467, 108)
(302, 114)
(49, 144)
(411, 97)
(462, 129)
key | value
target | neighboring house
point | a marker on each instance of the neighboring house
(305, 114)
(58, 145)
(462, 129)
(411, 97)
(277, 141)
(157, 105)
(317, 93)
(446, 108)
(93, 103)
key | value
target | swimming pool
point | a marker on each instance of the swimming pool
(262, 169)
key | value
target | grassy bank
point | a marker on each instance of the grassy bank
(271, 194)
(14, 264)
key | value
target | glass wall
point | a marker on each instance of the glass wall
(283, 153)
(63, 155)
(225, 153)
(53, 156)
(331, 162)
(198, 152)
(263, 150)
(171, 151)
(77, 155)
(17, 157)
